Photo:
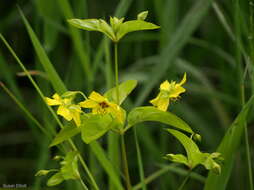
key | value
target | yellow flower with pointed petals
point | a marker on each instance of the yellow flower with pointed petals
(66, 109)
(101, 105)
(168, 91)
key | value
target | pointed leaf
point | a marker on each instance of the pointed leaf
(194, 156)
(65, 133)
(53, 76)
(149, 113)
(193, 153)
(93, 25)
(45, 172)
(142, 15)
(85, 24)
(55, 179)
(179, 158)
(135, 25)
(125, 88)
(69, 169)
(94, 126)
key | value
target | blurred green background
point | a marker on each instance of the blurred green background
(212, 41)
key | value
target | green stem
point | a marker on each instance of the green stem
(116, 72)
(238, 32)
(84, 165)
(140, 163)
(247, 146)
(83, 184)
(125, 164)
(185, 180)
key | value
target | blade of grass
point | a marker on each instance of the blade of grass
(52, 74)
(27, 112)
(228, 147)
(178, 40)
(50, 109)
(100, 154)
(238, 32)
(8, 75)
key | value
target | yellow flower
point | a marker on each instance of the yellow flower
(101, 105)
(168, 91)
(66, 109)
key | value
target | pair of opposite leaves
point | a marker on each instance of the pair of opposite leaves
(117, 27)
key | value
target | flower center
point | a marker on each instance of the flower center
(103, 105)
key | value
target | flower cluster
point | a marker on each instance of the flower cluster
(98, 104)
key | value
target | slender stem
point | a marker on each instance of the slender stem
(247, 146)
(116, 72)
(83, 184)
(125, 164)
(241, 87)
(185, 180)
(140, 163)
(84, 166)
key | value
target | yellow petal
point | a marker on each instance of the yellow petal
(56, 97)
(116, 111)
(183, 80)
(165, 85)
(63, 111)
(155, 101)
(52, 102)
(96, 97)
(88, 104)
(76, 117)
(176, 92)
(163, 104)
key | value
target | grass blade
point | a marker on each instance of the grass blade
(100, 154)
(227, 148)
(47, 65)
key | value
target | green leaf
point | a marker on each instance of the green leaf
(142, 15)
(45, 172)
(179, 158)
(194, 156)
(94, 126)
(55, 179)
(134, 25)
(125, 88)
(65, 133)
(149, 113)
(98, 25)
(69, 169)
(85, 24)
(70, 94)
(193, 153)
(228, 147)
